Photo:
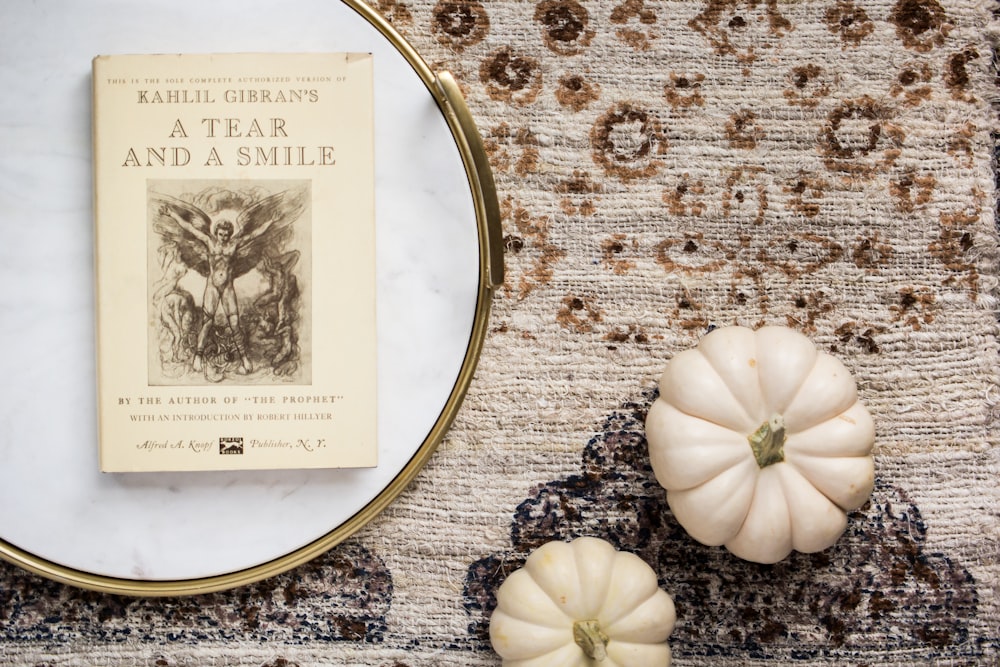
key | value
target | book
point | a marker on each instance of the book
(235, 261)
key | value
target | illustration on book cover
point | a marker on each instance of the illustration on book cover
(228, 266)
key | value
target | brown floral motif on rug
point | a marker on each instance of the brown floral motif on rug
(460, 23)
(511, 77)
(626, 141)
(741, 28)
(565, 22)
(878, 589)
(340, 596)
(277, 662)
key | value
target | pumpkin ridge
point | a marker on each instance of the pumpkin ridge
(751, 415)
(735, 494)
(506, 629)
(554, 616)
(737, 543)
(607, 623)
(632, 582)
(791, 464)
(791, 343)
(552, 622)
(815, 526)
(651, 654)
(687, 451)
(561, 651)
(723, 460)
(714, 422)
(828, 462)
(560, 587)
(689, 376)
(847, 434)
(635, 626)
(579, 561)
(822, 363)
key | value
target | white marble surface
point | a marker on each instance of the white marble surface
(53, 501)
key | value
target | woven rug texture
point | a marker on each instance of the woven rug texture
(664, 168)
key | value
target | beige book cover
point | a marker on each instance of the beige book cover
(235, 258)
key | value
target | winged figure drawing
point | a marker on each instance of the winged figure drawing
(222, 246)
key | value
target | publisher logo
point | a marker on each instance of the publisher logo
(230, 445)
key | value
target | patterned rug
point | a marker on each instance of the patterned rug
(665, 167)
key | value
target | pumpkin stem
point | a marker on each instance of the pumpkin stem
(768, 441)
(589, 637)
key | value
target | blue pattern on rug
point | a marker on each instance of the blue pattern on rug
(340, 596)
(879, 590)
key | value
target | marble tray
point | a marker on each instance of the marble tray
(438, 259)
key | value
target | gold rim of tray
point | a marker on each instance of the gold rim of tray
(449, 99)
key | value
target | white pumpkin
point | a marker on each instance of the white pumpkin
(582, 604)
(761, 443)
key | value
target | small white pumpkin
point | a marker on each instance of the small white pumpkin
(582, 604)
(761, 443)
